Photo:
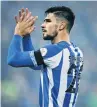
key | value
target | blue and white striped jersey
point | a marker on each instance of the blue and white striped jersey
(61, 66)
(60, 74)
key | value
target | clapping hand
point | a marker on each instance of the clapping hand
(24, 22)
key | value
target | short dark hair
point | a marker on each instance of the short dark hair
(64, 13)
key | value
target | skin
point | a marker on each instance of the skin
(49, 27)
(54, 29)
(24, 23)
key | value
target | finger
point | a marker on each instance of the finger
(27, 17)
(22, 10)
(35, 18)
(22, 17)
(30, 19)
(19, 13)
(32, 28)
(30, 23)
(16, 19)
(27, 11)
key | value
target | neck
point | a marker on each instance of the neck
(62, 36)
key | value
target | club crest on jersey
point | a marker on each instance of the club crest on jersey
(43, 51)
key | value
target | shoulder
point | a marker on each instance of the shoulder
(50, 50)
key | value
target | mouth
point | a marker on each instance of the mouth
(43, 30)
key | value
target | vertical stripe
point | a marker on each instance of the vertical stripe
(67, 99)
(56, 78)
(72, 95)
(63, 78)
(69, 96)
(45, 87)
(75, 98)
(40, 95)
(71, 100)
(42, 89)
(51, 84)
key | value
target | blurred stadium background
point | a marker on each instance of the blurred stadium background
(20, 86)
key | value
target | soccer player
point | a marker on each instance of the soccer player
(61, 62)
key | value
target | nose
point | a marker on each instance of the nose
(43, 25)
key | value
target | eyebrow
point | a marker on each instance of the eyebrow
(47, 20)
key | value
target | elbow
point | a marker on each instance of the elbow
(11, 62)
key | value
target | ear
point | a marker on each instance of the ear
(62, 25)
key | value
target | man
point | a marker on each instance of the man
(61, 62)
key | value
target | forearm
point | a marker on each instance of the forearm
(16, 57)
(28, 46)
(15, 45)
(27, 43)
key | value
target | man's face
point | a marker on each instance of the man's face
(49, 27)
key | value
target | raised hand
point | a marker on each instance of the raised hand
(25, 22)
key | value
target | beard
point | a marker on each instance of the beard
(50, 37)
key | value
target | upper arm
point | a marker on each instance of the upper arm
(49, 55)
